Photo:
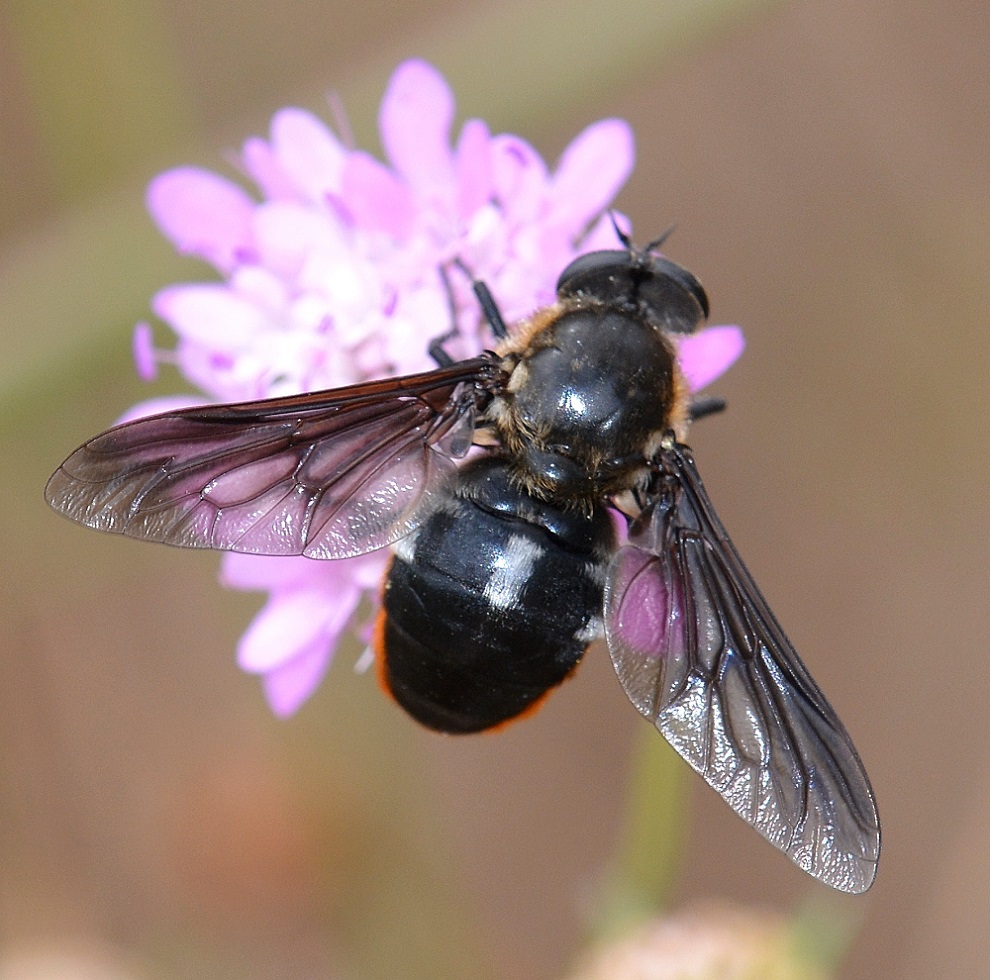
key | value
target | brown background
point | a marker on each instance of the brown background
(827, 164)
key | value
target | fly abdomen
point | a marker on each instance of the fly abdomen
(491, 602)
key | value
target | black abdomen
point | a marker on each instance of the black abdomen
(491, 602)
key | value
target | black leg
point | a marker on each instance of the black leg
(489, 309)
(436, 349)
(707, 405)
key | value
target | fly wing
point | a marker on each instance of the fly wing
(327, 475)
(701, 655)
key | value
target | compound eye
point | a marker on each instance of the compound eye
(662, 267)
(665, 291)
(603, 275)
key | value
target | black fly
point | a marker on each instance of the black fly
(507, 564)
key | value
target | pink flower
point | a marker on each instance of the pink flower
(333, 277)
(705, 941)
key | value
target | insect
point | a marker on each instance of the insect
(506, 560)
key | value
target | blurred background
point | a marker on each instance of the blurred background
(826, 163)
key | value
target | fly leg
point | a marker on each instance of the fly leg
(706, 405)
(489, 309)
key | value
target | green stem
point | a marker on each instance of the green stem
(650, 844)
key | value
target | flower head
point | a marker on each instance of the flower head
(333, 276)
(716, 942)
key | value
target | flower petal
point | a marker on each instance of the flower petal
(473, 167)
(203, 214)
(143, 351)
(308, 153)
(288, 686)
(375, 198)
(289, 622)
(261, 572)
(415, 119)
(520, 178)
(591, 172)
(259, 161)
(705, 355)
(228, 377)
(209, 313)
(288, 233)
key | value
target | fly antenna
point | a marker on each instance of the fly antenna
(657, 242)
(619, 233)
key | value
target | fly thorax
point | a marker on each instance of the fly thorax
(587, 397)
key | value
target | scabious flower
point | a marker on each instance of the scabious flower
(332, 275)
(710, 942)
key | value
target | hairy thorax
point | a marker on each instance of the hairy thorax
(591, 391)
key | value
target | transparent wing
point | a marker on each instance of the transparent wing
(701, 655)
(327, 475)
